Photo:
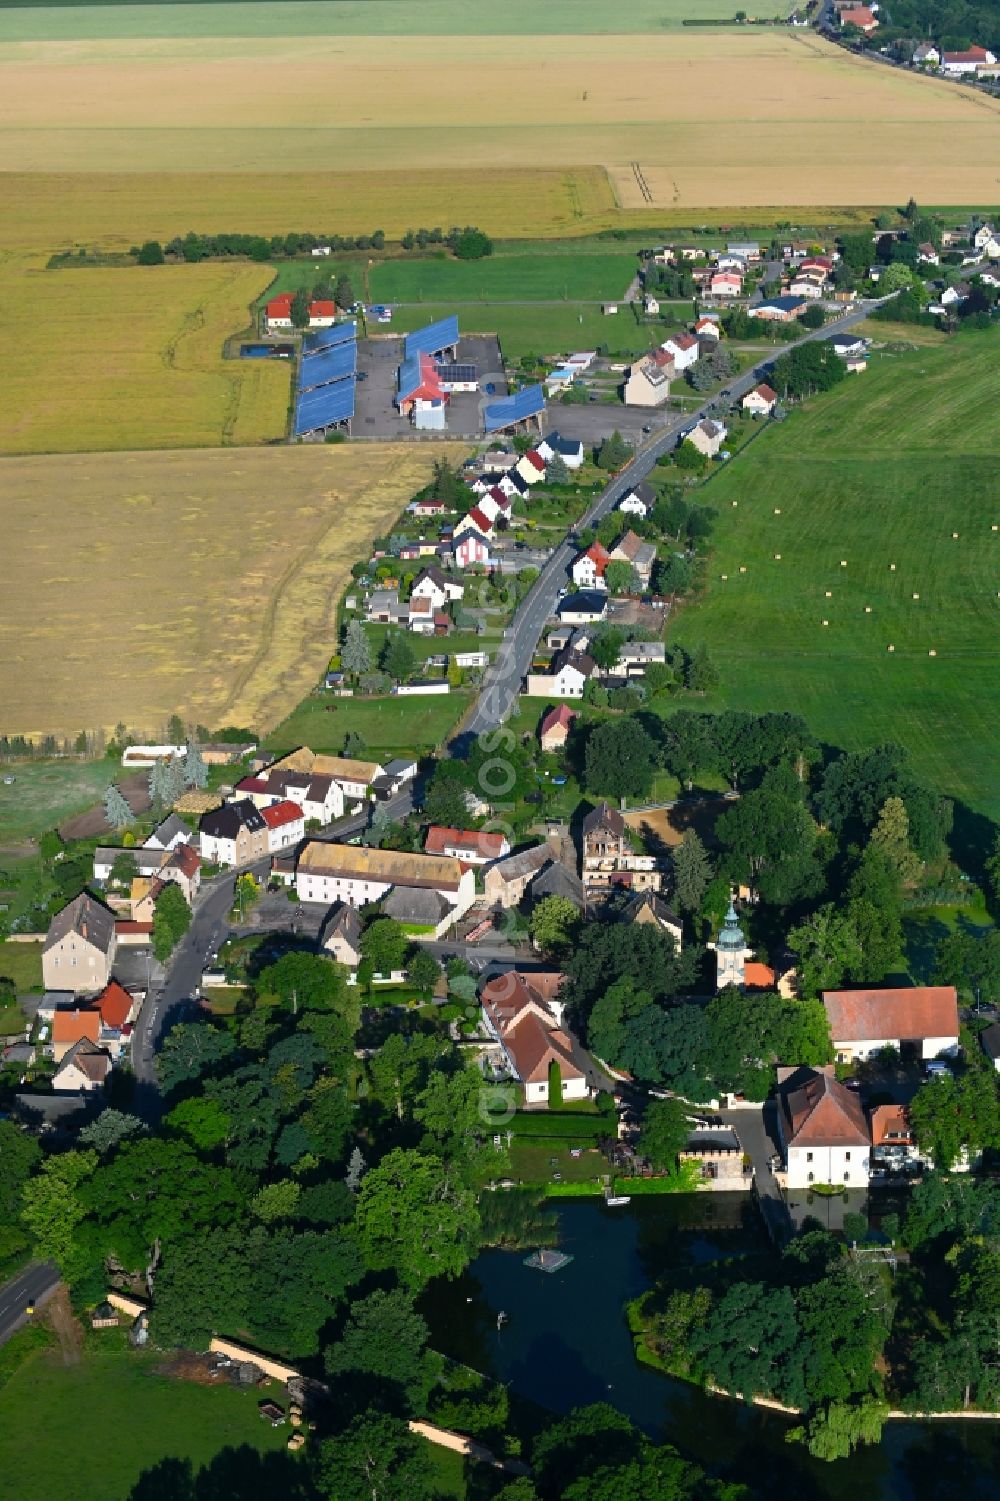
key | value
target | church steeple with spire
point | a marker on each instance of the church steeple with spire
(731, 951)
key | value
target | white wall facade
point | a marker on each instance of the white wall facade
(836, 1165)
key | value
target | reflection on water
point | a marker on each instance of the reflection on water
(567, 1343)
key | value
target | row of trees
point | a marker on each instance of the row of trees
(194, 247)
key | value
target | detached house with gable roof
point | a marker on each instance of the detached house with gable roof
(523, 1017)
(608, 857)
(234, 834)
(588, 568)
(823, 1131)
(921, 1021)
(80, 946)
(683, 350)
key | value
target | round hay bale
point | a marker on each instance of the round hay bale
(824, 622)
(954, 536)
(916, 596)
(995, 528)
(777, 557)
(724, 576)
(890, 648)
(829, 594)
(932, 652)
(735, 502)
(743, 569)
(843, 562)
(868, 609)
(892, 568)
(777, 510)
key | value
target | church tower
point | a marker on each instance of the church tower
(731, 952)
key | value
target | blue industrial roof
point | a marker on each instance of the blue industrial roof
(324, 406)
(527, 403)
(325, 338)
(783, 304)
(329, 365)
(432, 339)
(410, 376)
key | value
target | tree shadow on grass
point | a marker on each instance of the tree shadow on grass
(241, 1474)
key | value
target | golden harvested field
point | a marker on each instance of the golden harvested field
(132, 358)
(726, 117)
(202, 582)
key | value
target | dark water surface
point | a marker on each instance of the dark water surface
(567, 1343)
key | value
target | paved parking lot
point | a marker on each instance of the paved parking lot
(596, 421)
(378, 361)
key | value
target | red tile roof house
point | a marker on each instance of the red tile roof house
(466, 845)
(553, 731)
(822, 1129)
(286, 824)
(278, 313)
(524, 1018)
(760, 401)
(588, 570)
(921, 1021)
(861, 17)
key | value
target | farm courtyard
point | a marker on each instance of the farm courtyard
(862, 493)
(220, 569)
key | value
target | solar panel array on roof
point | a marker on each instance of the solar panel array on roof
(410, 377)
(337, 363)
(324, 406)
(527, 403)
(432, 339)
(457, 374)
(326, 338)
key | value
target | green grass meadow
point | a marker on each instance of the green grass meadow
(880, 472)
(499, 278)
(545, 328)
(359, 18)
(22, 963)
(44, 793)
(388, 726)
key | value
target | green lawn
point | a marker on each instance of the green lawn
(44, 793)
(504, 278)
(532, 1162)
(22, 963)
(47, 1411)
(542, 329)
(881, 471)
(360, 18)
(387, 725)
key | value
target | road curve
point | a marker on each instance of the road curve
(502, 682)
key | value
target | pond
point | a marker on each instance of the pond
(566, 1343)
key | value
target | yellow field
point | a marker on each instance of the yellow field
(726, 117)
(202, 582)
(132, 358)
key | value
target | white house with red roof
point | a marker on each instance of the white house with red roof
(823, 1131)
(470, 548)
(959, 63)
(921, 1020)
(861, 17)
(531, 467)
(683, 350)
(286, 824)
(468, 846)
(726, 284)
(553, 731)
(588, 569)
(523, 1016)
(278, 313)
(707, 328)
(761, 401)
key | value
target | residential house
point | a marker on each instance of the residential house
(286, 825)
(424, 913)
(636, 656)
(726, 284)
(354, 778)
(894, 1148)
(639, 554)
(761, 401)
(553, 732)
(182, 867)
(778, 309)
(647, 383)
(79, 947)
(639, 501)
(747, 250)
(570, 450)
(331, 873)
(234, 834)
(926, 55)
(340, 935)
(71, 1026)
(588, 568)
(386, 608)
(145, 860)
(583, 608)
(470, 549)
(985, 238)
(921, 1021)
(531, 467)
(84, 1067)
(708, 437)
(648, 909)
(557, 879)
(608, 857)
(524, 1019)
(429, 507)
(467, 846)
(861, 17)
(569, 674)
(168, 834)
(683, 350)
(927, 255)
(727, 261)
(278, 313)
(708, 328)
(117, 1009)
(847, 346)
(810, 287)
(320, 797)
(436, 586)
(960, 64)
(506, 881)
(422, 617)
(818, 265)
(822, 1130)
(952, 296)
(989, 1040)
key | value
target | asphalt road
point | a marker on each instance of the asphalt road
(36, 1283)
(208, 931)
(502, 682)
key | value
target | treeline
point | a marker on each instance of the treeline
(466, 243)
(953, 25)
